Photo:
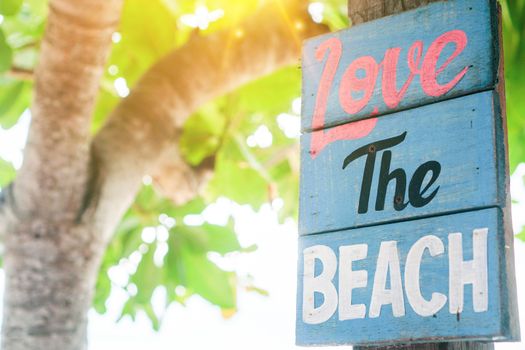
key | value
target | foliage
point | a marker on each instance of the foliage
(514, 46)
(153, 245)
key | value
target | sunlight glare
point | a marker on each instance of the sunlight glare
(262, 137)
(135, 258)
(162, 234)
(290, 124)
(121, 86)
(296, 106)
(193, 220)
(202, 17)
(118, 276)
(218, 213)
(316, 10)
(160, 253)
(148, 235)
(239, 33)
(158, 300)
(116, 37)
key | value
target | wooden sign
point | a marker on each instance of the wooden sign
(435, 159)
(400, 62)
(438, 278)
(404, 216)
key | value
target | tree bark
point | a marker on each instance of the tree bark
(51, 257)
(360, 11)
(71, 191)
(50, 273)
(76, 44)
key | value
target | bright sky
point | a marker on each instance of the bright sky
(262, 322)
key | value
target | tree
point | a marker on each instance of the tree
(78, 204)
(79, 177)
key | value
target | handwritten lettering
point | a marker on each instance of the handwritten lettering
(358, 82)
(416, 194)
(345, 132)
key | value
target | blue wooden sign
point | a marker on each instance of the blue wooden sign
(443, 50)
(435, 159)
(437, 278)
(404, 215)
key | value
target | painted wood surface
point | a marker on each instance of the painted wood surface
(446, 50)
(435, 159)
(443, 50)
(371, 285)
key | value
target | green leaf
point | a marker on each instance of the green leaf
(188, 265)
(38, 7)
(272, 94)
(335, 14)
(202, 133)
(206, 279)
(102, 292)
(25, 30)
(221, 239)
(10, 7)
(195, 206)
(515, 90)
(213, 238)
(239, 182)
(147, 277)
(521, 235)
(129, 309)
(106, 102)
(15, 97)
(6, 53)
(258, 290)
(155, 321)
(148, 30)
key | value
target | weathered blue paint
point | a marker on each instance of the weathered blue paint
(492, 324)
(459, 134)
(475, 18)
(448, 141)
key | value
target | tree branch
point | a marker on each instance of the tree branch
(175, 179)
(76, 43)
(20, 73)
(145, 127)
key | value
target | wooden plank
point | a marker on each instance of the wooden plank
(448, 156)
(391, 273)
(443, 50)
(501, 133)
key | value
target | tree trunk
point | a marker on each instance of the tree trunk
(50, 274)
(360, 11)
(69, 195)
(51, 256)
